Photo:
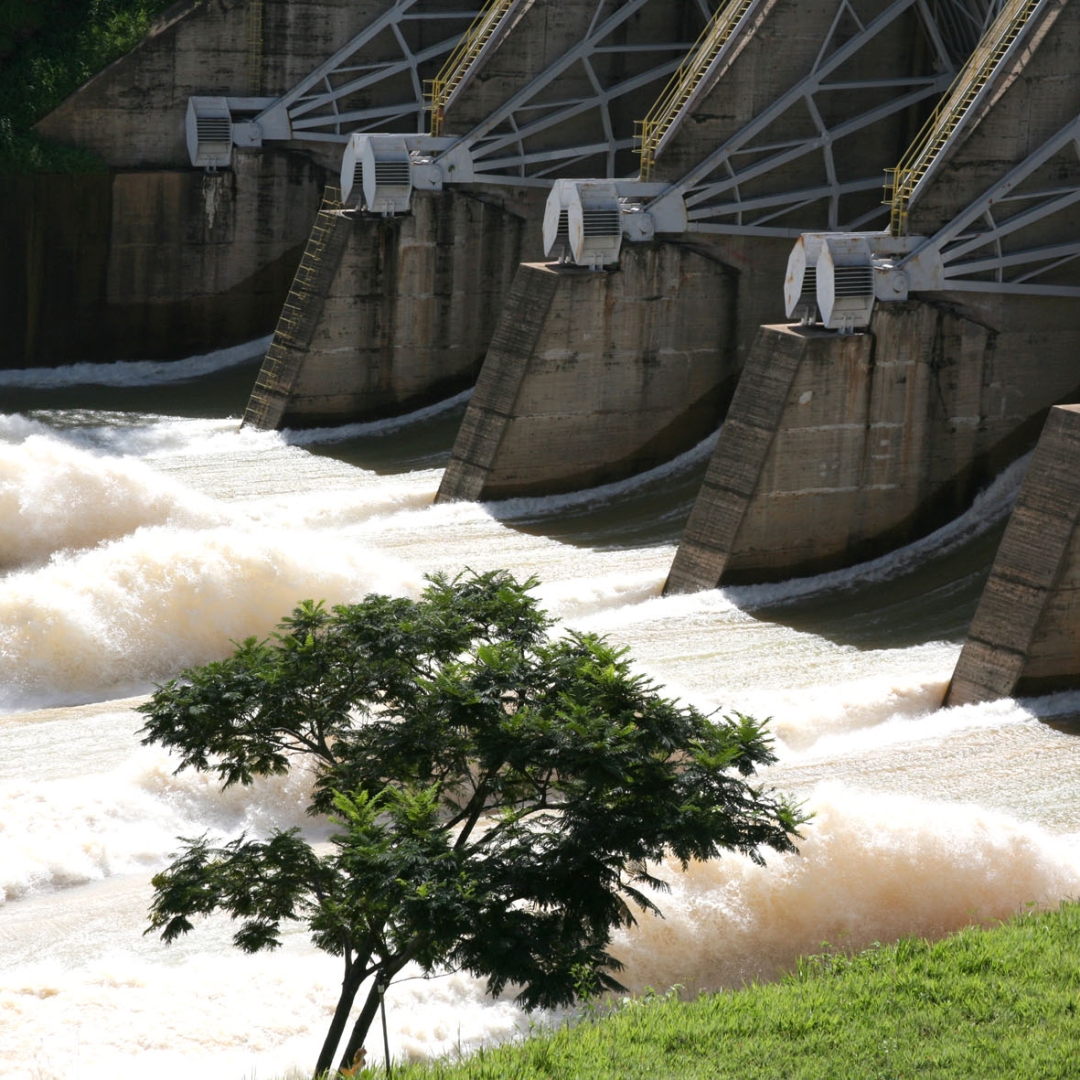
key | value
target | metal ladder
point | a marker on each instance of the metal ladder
(440, 89)
(650, 132)
(946, 118)
(299, 314)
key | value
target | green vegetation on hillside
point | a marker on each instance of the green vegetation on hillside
(992, 1003)
(48, 48)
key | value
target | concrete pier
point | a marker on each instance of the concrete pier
(411, 312)
(839, 448)
(563, 394)
(867, 452)
(1025, 637)
(406, 318)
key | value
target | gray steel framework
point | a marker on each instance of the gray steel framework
(317, 108)
(501, 148)
(711, 191)
(519, 142)
(983, 249)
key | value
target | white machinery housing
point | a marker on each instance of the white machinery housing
(800, 283)
(845, 282)
(381, 167)
(209, 132)
(583, 220)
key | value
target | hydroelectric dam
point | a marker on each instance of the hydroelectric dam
(845, 232)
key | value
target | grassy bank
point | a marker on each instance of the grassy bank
(49, 48)
(1002, 1003)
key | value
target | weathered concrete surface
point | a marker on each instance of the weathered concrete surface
(1025, 637)
(407, 324)
(837, 449)
(596, 433)
(132, 113)
(163, 263)
(409, 314)
(150, 264)
(593, 377)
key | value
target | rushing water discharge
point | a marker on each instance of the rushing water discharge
(134, 542)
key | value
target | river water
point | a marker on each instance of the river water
(141, 530)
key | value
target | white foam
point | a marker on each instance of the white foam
(872, 868)
(61, 833)
(110, 621)
(54, 496)
(387, 426)
(124, 373)
(221, 1016)
(88, 814)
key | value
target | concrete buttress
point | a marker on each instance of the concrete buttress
(604, 364)
(843, 447)
(1025, 636)
(410, 314)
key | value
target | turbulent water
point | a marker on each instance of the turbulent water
(141, 530)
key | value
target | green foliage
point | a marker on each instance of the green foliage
(497, 795)
(994, 1004)
(48, 48)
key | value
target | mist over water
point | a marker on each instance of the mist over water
(133, 544)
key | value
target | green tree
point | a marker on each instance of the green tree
(497, 794)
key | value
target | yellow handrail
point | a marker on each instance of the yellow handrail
(651, 131)
(951, 110)
(439, 89)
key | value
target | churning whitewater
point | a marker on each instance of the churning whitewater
(133, 544)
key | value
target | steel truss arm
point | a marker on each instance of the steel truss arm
(965, 250)
(715, 203)
(313, 109)
(499, 147)
(521, 141)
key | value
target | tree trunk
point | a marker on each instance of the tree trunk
(363, 1024)
(354, 977)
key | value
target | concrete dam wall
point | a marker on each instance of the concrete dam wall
(156, 264)
(780, 120)
(839, 448)
(171, 261)
(857, 444)
(410, 311)
(605, 392)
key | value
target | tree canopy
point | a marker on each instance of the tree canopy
(498, 794)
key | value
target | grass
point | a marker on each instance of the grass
(1003, 1002)
(49, 48)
